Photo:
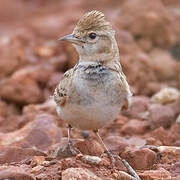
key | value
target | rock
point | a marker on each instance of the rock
(59, 63)
(166, 96)
(135, 126)
(91, 159)
(152, 141)
(32, 110)
(165, 72)
(116, 144)
(160, 134)
(120, 121)
(138, 72)
(174, 133)
(139, 106)
(15, 173)
(90, 147)
(16, 154)
(47, 163)
(79, 173)
(121, 175)
(136, 141)
(54, 80)
(9, 117)
(169, 154)
(177, 143)
(175, 106)
(9, 58)
(134, 16)
(155, 174)
(45, 51)
(140, 159)
(37, 169)
(22, 90)
(161, 116)
(40, 133)
(24, 86)
(37, 160)
(175, 169)
(39, 73)
(169, 149)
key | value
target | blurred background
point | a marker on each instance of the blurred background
(32, 61)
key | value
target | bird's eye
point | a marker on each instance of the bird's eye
(92, 35)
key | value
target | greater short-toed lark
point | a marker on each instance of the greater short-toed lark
(91, 94)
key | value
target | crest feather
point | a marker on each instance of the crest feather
(94, 20)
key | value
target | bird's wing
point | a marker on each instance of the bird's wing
(125, 90)
(61, 90)
(122, 85)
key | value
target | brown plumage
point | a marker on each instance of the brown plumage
(93, 20)
(91, 94)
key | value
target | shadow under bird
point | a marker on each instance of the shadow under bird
(95, 90)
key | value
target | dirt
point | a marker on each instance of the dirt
(32, 61)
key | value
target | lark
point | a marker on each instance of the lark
(95, 90)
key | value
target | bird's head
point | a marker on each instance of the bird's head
(93, 38)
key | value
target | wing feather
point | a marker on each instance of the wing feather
(61, 90)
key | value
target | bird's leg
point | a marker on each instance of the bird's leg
(112, 157)
(72, 149)
(66, 151)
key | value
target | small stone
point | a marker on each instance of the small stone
(166, 96)
(135, 126)
(15, 173)
(91, 159)
(37, 169)
(124, 175)
(115, 174)
(139, 106)
(45, 51)
(116, 144)
(90, 146)
(155, 174)
(161, 136)
(45, 163)
(175, 169)
(79, 173)
(153, 141)
(105, 161)
(37, 160)
(161, 116)
(52, 162)
(16, 154)
(170, 151)
(140, 159)
(41, 133)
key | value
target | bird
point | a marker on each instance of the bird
(92, 93)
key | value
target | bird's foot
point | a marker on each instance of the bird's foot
(110, 155)
(74, 151)
(65, 151)
(126, 164)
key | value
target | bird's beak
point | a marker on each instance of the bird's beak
(70, 38)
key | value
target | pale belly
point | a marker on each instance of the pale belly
(93, 100)
(88, 117)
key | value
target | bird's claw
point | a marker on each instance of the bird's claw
(126, 164)
(110, 155)
(72, 149)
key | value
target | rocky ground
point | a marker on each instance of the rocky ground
(32, 62)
